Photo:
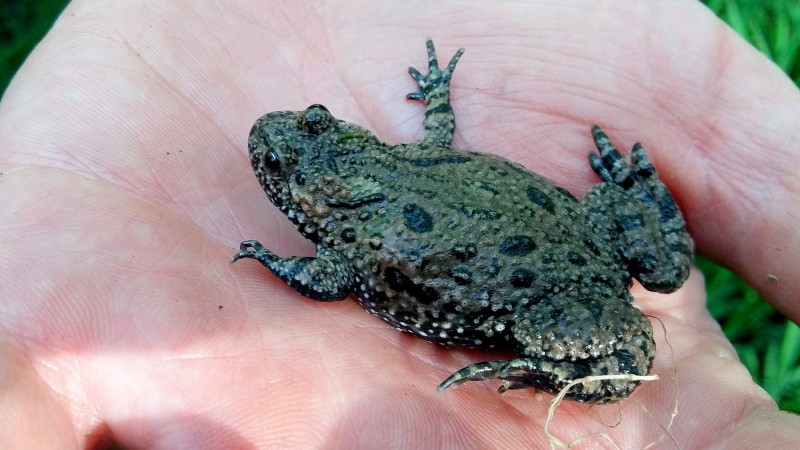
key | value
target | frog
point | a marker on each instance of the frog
(469, 249)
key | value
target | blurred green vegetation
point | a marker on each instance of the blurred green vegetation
(22, 25)
(767, 343)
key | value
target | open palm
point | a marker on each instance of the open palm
(126, 188)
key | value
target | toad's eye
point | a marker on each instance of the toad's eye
(272, 161)
(315, 120)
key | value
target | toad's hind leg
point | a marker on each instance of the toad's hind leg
(434, 90)
(563, 339)
(553, 376)
(646, 226)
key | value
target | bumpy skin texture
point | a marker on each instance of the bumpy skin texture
(469, 249)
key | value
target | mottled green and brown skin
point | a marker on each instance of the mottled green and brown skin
(469, 249)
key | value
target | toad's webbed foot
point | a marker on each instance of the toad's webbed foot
(434, 90)
(437, 80)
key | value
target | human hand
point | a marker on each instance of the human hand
(126, 189)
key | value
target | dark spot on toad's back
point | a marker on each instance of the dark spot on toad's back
(517, 246)
(521, 278)
(417, 219)
(461, 275)
(603, 280)
(576, 259)
(428, 162)
(401, 282)
(349, 235)
(452, 307)
(538, 197)
(478, 214)
(486, 187)
(358, 202)
(565, 192)
(469, 249)
(464, 253)
(591, 246)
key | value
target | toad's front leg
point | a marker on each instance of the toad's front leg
(327, 277)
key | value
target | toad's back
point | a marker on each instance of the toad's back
(450, 243)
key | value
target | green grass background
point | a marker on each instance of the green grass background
(767, 343)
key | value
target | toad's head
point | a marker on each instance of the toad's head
(308, 163)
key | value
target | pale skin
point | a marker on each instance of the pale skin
(126, 188)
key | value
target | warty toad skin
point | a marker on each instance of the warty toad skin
(469, 249)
